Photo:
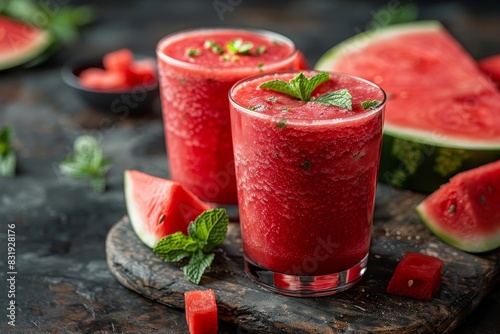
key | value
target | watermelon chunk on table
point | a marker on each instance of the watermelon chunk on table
(465, 212)
(158, 207)
(416, 276)
(201, 311)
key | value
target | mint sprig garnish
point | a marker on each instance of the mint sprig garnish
(7, 153)
(299, 87)
(205, 233)
(87, 162)
(340, 98)
(212, 45)
(237, 46)
(368, 104)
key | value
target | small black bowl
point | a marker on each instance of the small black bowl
(126, 101)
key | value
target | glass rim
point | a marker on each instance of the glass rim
(301, 121)
(186, 32)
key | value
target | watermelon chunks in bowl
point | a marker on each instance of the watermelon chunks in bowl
(201, 312)
(158, 207)
(121, 72)
(417, 276)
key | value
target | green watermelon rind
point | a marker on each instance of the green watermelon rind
(44, 41)
(474, 245)
(135, 218)
(424, 167)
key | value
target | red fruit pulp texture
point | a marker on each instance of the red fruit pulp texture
(196, 108)
(416, 276)
(201, 312)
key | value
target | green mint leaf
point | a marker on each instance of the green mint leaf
(193, 52)
(340, 98)
(237, 46)
(7, 154)
(279, 86)
(282, 123)
(368, 104)
(299, 87)
(192, 229)
(87, 163)
(216, 48)
(174, 247)
(211, 228)
(8, 165)
(260, 50)
(197, 265)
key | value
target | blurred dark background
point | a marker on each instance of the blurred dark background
(313, 25)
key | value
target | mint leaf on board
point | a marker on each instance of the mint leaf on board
(368, 104)
(172, 248)
(340, 98)
(7, 154)
(299, 87)
(197, 265)
(211, 228)
(237, 46)
(87, 163)
(205, 233)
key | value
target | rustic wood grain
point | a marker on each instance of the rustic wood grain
(365, 308)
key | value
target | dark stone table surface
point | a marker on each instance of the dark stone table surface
(63, 284)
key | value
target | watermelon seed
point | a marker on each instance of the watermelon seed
(410, 283)
(452, 209)
(482, 199)
(162, 218)
(490, 189)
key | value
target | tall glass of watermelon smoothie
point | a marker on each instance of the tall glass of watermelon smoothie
(306, 174)
(196, 70)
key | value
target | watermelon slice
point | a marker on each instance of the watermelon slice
(465, 213)
(442, 113)
(20, 43)
(158, 207)
(416, 276)
(201, 312)
(301, 62)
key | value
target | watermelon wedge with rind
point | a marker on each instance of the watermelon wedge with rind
(158, 207)
(442, 112)
(465, 213)
(21, 43)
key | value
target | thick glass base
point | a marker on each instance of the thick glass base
(306, 286)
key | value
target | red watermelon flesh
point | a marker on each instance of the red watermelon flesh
(301, 62)
(465, 213)
(158, 207)
(201, 312)
(491, 67)
(20, 43)
(416, 276)
(436, 92)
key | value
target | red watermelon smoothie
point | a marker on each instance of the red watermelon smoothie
(306, 177)
(196, 70)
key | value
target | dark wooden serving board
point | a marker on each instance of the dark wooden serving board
(365, 308)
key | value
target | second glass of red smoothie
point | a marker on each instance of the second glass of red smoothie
(307, 173)
(196, 70)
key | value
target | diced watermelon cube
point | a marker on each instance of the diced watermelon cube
(119, 60)
(416, 276)
(99, 79)
(201, 311)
